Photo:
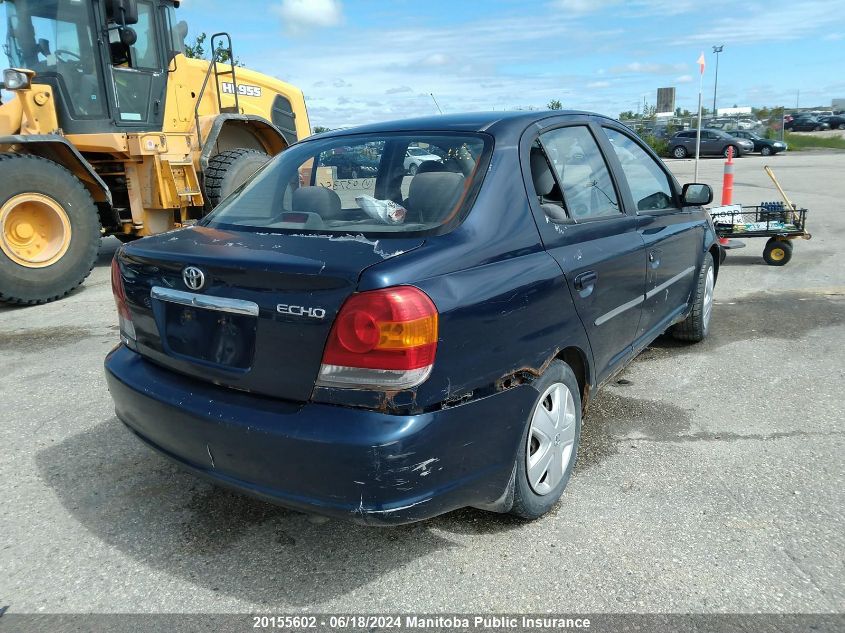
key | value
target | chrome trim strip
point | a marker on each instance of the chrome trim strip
(221, 304)
(669, 282)
(619, 310)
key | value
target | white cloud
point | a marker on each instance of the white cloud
(598, 84)
(683, 79)
(583, 6)
(436, 59)
(301, 15)
(398, 90)
(647, 68)
(630, 7)
(761, 23)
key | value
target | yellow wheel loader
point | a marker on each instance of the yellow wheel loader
(112, 130)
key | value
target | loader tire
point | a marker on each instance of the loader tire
(50, 230)
(229, 170)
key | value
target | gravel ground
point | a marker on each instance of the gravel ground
(711, 481)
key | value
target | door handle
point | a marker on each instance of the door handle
(586, 279)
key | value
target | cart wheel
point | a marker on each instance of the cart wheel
(777, 252)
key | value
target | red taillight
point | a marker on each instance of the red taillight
(127, 328)
(381, 339)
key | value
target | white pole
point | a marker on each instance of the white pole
(698, 132)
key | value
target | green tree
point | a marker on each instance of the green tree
(319, 129)
(197, 50)
(554, 104)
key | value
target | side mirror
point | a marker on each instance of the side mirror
(122, 11)
(696, 194)
(128, 36)
(43, 47)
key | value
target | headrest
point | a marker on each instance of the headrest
(320, 200)
(544, 181)
(428, 166)
(432, 196)
(575, 175)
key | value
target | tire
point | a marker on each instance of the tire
(696, 326)
(533, 500)
(64, 210)
(737, 153)
(766, 151)
(412, 170)
(229, 170)
(841, 126)
(679, 152)
(777, 252)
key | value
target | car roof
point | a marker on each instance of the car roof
(492, 122)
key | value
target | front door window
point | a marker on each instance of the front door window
(55, 39)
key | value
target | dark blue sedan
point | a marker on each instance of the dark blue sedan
(390, 348)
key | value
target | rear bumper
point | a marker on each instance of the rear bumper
(362, 465)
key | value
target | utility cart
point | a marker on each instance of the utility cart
(772, 220)
(780, 222)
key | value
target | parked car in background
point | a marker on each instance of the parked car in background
(835, 121)
(341, 357)
(713, 143)
(746, 124)
(416, 156)
(765, 146)
(806, 123)
(361, 162)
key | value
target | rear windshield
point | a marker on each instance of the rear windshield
(362, 184)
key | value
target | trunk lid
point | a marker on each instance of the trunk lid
(260, 320)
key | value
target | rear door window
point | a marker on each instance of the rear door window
(581, 173)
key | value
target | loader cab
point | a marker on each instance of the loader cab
(106, 60)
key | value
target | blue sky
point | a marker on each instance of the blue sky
(361, 61)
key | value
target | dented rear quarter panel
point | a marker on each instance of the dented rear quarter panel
(504, 305)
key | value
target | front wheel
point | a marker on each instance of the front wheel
(696, 326)
(547, 452)
(412, 170)
(679, 152)
(766, 151)
(49, 230)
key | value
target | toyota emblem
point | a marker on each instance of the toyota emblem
(193, 277)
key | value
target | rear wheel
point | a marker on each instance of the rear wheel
(679, 152)
(546, 455)
(735, 151)
(697, 324)
(777, 252)
(49, 230)
(229, 170)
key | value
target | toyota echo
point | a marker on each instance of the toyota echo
(390, 347)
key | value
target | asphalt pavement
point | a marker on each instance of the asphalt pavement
(710, 480)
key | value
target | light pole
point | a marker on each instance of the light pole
(716, 50)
